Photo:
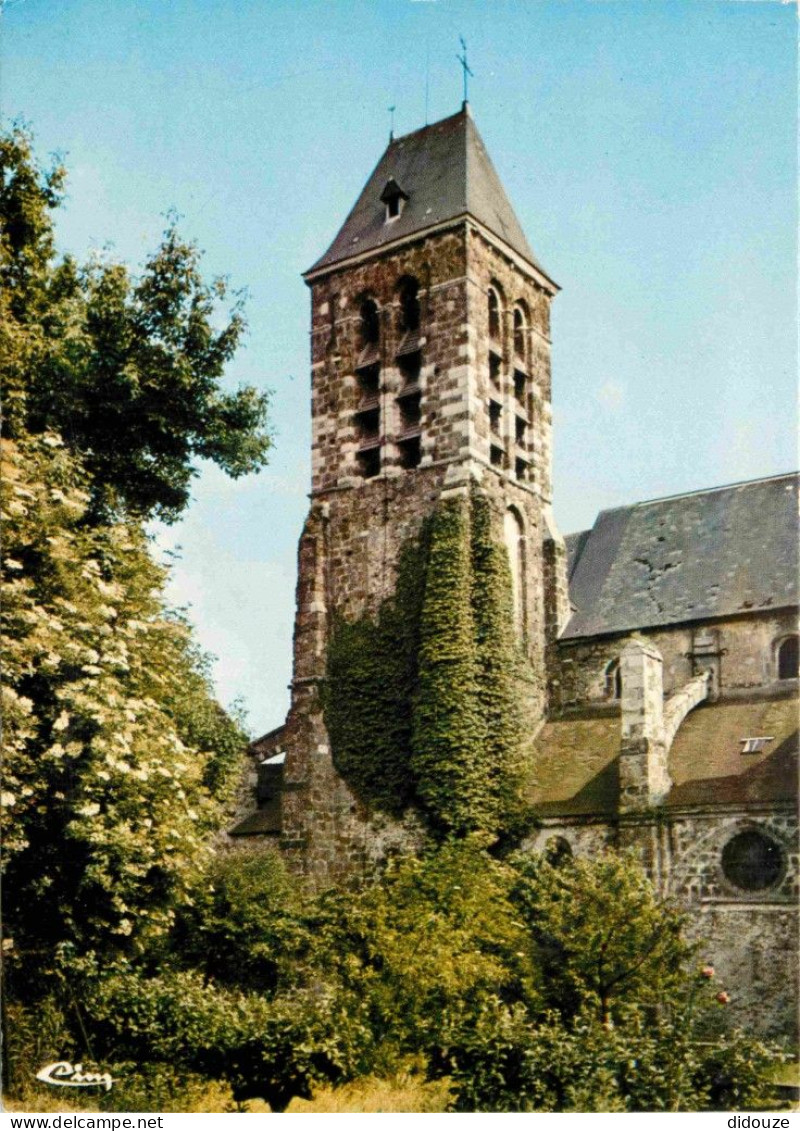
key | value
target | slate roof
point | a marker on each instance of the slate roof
(576, 766)
(691, 557)
(446, 172)
(706, 760)
(577, 759)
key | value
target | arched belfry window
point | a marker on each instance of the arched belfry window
(787, 656)
(520, 337)
(409, 364)
(514, 537)
(613, 679)
(495, 312)
(370, 323)
(368, 371)
(408, 292)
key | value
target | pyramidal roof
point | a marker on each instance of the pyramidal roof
(445, 173)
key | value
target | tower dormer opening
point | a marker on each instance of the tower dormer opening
(393, 198)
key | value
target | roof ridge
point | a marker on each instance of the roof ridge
(721, 487)
(690, 494)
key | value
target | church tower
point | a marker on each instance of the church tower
(430, 370)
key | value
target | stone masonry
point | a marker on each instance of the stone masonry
(479, 383)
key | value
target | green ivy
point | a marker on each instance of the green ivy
(501, 673)
(371, 676)
(424, 703)
(449, 735)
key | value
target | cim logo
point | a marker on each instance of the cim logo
(62, 1074)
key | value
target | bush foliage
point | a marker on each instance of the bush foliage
(466, 967)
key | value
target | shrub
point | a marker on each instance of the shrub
(159, 1087)
(244, 925)
(274, 1049)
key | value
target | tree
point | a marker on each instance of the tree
(429, 946)
(117, 758)
(245, 927)
(603, 940)
(127, 370)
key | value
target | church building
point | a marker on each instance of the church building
(662, 644)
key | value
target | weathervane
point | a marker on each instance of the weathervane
(463, 61)
(391, 123)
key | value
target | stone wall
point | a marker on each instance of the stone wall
(740, 650)
(585, 836)
(750, 938)
(476, 393)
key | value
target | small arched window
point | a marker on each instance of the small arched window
(370, 323)
(788, 658)
(494, 314)
(613, 676)
(408, 289)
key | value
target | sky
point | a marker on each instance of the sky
(648, 148)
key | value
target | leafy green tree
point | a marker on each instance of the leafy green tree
(117, 760)
(274, 1048)
(602, 938)
(429, 947)
(245, 927)
(127, 370)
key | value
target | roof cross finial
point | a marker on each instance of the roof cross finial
(391, 123)
(463, 61)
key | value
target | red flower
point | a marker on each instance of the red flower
(707, 972)
(723, 998)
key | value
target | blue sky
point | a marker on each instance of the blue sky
(648, 148)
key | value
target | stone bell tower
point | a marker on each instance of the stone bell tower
(430, 369)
